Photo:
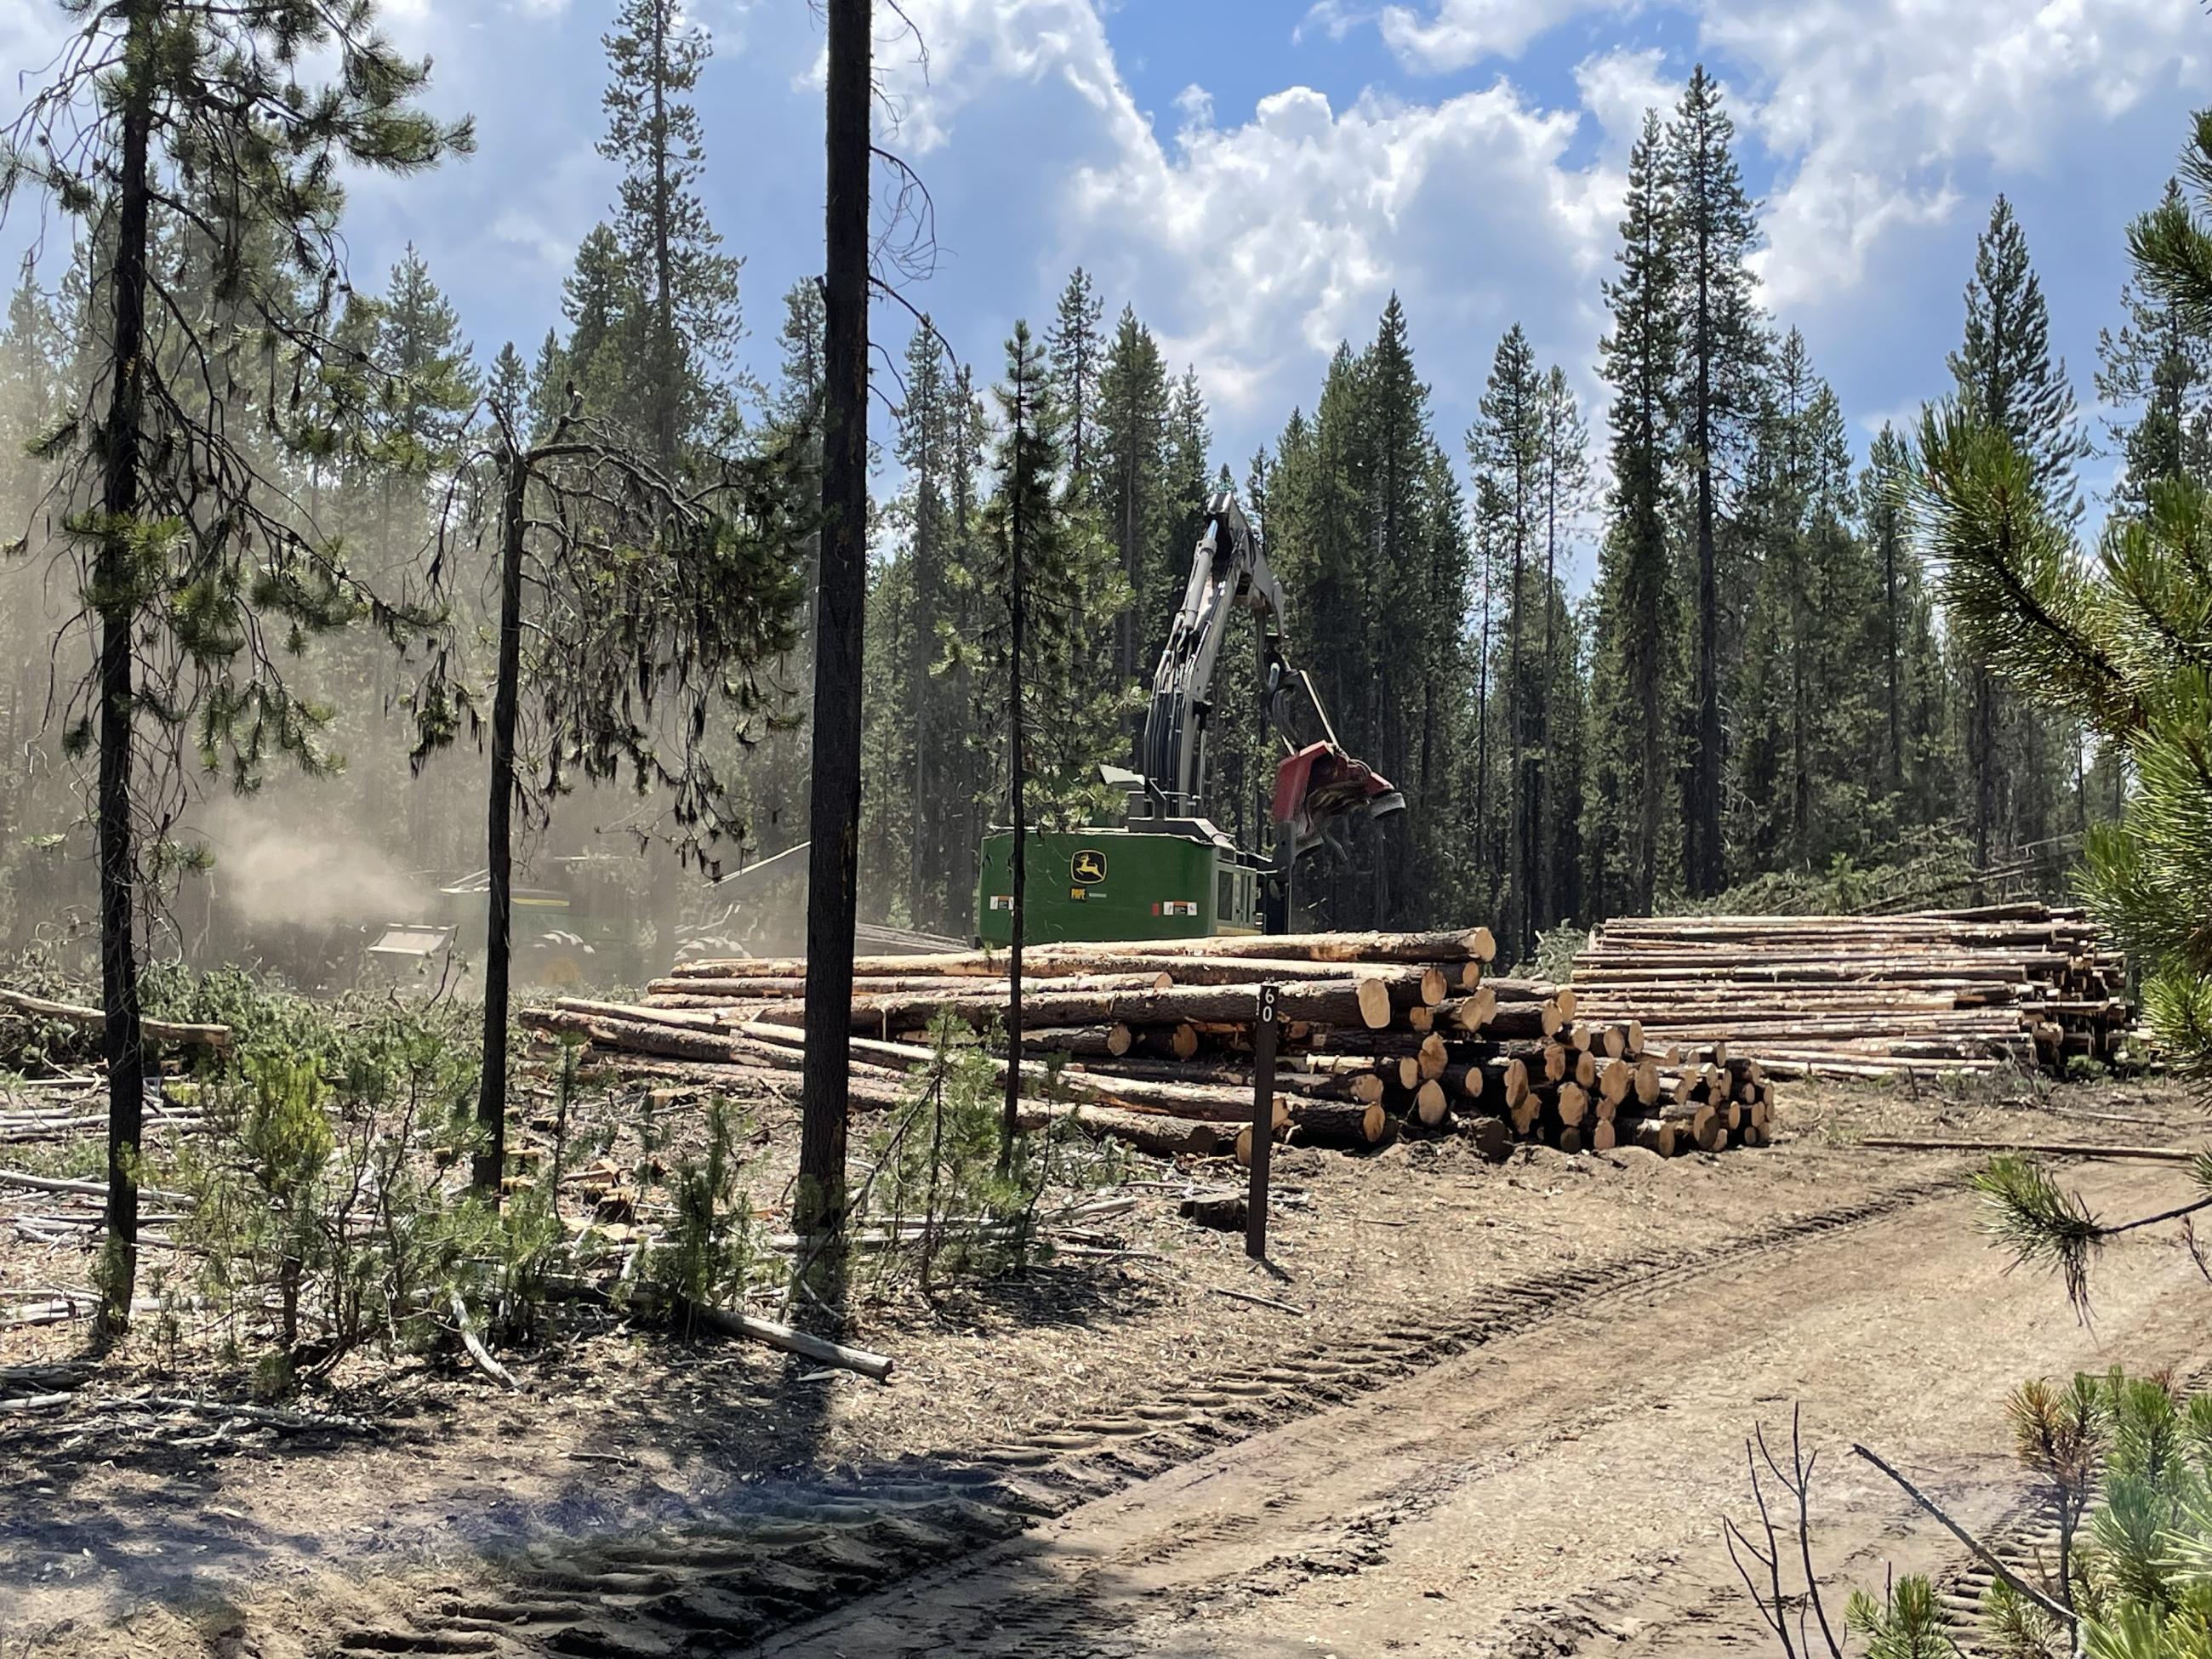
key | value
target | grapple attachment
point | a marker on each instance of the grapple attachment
(1320, 784)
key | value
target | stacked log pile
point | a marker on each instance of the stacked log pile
(1933, 992)
(1380, 1034)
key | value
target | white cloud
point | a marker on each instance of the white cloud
(1459, 32)
(1276, 238)
(1618, 87)
(962, 51)
(1253, 248)
(1876, 110)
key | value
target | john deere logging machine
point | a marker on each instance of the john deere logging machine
(1167, 871)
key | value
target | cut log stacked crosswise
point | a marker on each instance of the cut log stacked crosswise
(1380, 1034)
(2020, 985)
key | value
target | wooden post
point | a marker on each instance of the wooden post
(1263, 1125)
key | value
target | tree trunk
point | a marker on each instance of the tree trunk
(841, 587)
(1889, 598)
(1017, 802)
(490, 1164)
(124, 1041)
(1704, 873)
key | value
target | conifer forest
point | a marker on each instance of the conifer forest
(1269, 954)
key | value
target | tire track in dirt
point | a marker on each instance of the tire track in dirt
(1530, 1489)
(808, 1552)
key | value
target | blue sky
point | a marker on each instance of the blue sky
(1257, 177)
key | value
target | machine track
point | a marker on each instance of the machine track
(809, 1552)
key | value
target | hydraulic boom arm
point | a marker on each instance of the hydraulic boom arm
(1317, 781)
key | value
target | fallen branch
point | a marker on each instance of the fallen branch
(2049, 1148)
(37, 1403)
(477, 1351)
(875, 1366)
(1261, 1301)
(157, 1030)
(89, 1188)
(268, 1417)
(1981, 1552)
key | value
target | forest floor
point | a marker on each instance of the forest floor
(1507, 1419)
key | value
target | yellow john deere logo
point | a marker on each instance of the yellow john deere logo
(1088, 867)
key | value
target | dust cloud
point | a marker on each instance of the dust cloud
(309, 871)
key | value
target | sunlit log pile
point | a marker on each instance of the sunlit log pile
(1937, 992)
(1152, 1042)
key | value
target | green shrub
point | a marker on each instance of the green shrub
(705, 1257)
(940, 1202)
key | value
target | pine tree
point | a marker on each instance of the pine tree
(1638, 610)
(508, 390)
(927, 437)
(1715, 230)
(690, 325)
(604, 308)
(549, 380)
(1132, 463)
(1402, 614)
(1882, 489)
(2003, 367)
(189, 109)
(33, 389)
(1506, 448)
(1077, 347)
(1189, 480)
(2156, 373)
(1046, 582)
(2009, 381)
(1773, 757)
(428, 382)
(1564, 484)
(841, 563)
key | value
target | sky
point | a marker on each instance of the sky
(1256, 177)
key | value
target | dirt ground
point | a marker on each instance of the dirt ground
(1501, 1410)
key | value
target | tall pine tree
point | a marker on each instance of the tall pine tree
(1715, 230)
(2156, 375)
(1506, 448)
(1637, 614)
(2007, 380)
(688, 285)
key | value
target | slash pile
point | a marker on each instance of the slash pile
(1868, 996)
(1380, 1034)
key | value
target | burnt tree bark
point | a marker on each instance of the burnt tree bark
(1018, 801)
(834, 815)
(491, 1162)
(118, 439)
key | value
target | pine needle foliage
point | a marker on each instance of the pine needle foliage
(199, 162)
(2121, 641)
(1908, 1623)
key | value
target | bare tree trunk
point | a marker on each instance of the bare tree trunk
(1704, 874)
(834, 815)
(1982, 766)
(123, 1040)
(1889, 597)
(490, 1162)
(1018, 803)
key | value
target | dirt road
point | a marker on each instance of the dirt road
(1508, 1425)
(1556, 1488)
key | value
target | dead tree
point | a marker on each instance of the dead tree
(633, 609)
(834, 811)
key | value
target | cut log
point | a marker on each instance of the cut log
(92, 1019)
(1321, 1124)
(1432, 1106)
